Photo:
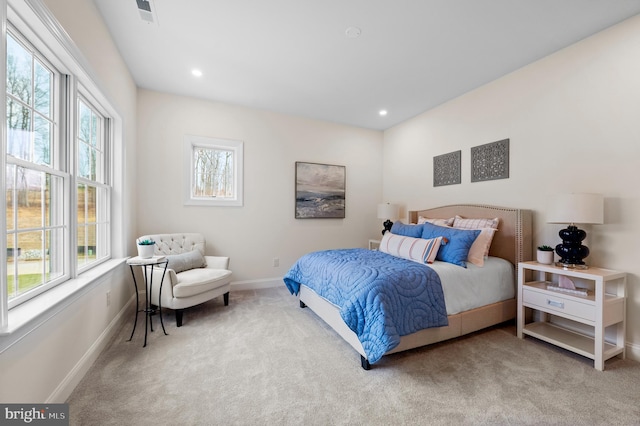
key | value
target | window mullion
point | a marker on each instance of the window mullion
(4, 285)
(71, 210)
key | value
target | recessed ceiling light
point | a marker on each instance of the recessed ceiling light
(196, 72)
(353, 32)
(383, 112)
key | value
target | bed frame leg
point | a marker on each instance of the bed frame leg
(365, 363)
(302, 304)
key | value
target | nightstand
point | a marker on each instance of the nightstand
(374, 244)
(601, 310)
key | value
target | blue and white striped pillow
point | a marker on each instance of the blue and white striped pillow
(419, 250)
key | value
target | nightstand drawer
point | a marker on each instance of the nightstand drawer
(556, 303)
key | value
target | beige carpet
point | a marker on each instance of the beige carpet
(264, 361)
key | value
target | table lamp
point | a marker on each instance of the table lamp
(389, 212)
(572, 209)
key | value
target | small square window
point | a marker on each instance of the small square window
(213, 172)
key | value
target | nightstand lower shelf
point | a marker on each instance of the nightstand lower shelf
(569, 340)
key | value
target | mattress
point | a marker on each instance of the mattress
(470, 288)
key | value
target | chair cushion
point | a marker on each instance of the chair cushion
(199, 280)
(185, 261)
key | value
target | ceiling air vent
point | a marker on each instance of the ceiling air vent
(144, 7)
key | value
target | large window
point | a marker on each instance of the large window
(213, 170)
(92, 186)
(56, 156)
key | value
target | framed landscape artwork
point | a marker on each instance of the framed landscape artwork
(320, 191)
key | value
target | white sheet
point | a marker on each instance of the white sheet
(473, 287)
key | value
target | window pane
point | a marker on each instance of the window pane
(81, 202)
(84, 122)
(93, 162)
(31, 186)
(89, 143)
(84, 160)
(213, 173)
(18, 130)
(31, 193)
(43, 90)
(19, 65)
(95, 128)
(91, 204)
(86, 245)
(10, 195)
(86, 205)
(53, 255)
(42, 140)
(88, 242)
(29, 268)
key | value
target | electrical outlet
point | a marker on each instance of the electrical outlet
(108, 298)
(276, 262)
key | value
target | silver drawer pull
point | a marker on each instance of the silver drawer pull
(555, 303)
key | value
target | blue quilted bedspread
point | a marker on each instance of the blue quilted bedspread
(381, 297)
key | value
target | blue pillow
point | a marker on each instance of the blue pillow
(413, 231)
(456, 250)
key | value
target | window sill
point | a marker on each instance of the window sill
(31, 314)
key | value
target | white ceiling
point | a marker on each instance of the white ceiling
(294, 57)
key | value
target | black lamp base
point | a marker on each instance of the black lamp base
(571, 251)
(387, 226)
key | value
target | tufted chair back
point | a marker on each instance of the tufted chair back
(177, 243)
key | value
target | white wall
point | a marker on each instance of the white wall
(46, 364)
(264, 228)
(572, 121)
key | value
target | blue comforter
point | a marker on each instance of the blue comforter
(381, 297)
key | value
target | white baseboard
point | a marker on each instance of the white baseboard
(66, 387)
(633, 351)
(257, 284)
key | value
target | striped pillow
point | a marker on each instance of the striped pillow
(462, 223)
(417, 249)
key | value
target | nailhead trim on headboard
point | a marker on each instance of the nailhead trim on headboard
(514, 229)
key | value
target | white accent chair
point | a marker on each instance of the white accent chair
(192, 281)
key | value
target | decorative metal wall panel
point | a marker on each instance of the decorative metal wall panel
(490, 161)
(446, 169)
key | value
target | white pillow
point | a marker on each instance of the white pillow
(439, 222)
(480, 247)
(419, 250)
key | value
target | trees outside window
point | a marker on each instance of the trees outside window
(47, 241)
(214, 171)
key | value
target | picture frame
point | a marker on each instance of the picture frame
(320, 191)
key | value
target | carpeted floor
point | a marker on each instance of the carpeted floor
(263, 360)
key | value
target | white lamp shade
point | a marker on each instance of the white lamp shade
(577, 208)
(388, 211)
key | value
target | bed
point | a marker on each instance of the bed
(464, 314)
